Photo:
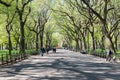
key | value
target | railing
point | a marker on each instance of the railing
(6, 59)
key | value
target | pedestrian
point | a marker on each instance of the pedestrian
(108, 55)
(42, 51)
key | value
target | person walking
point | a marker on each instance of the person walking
(109, 55)
(42, 51)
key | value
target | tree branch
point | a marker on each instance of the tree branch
(97, 14)
(27, 15)
(4, 3)
(114, 27)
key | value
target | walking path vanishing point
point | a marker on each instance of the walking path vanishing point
(62, 65)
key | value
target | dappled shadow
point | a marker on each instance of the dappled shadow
(88, 70)
(50, 68)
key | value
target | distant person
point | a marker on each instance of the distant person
(108, 55)
(42, 51)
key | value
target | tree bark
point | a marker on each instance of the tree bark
(4, 3)
(93, 41)
(37, 42)
(77, 44)
(111, 45)
(102, 41)
(22, 37)
(41, 40)
(22, 21)
(10, 43)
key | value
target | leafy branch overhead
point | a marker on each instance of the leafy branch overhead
(76, 24)
(4, 3)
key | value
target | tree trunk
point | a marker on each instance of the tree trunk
(22, 38)
(102, 41)
(80, 41)
(49, 44)
(16, 47)
(47, 40)
(41, 40)
(77, 44)
(26, 45)
(36, 42)
(93, 41)
(22, 20)
(10, 43)
(17, 43)
(2, 46)
(111, 44)
(116, 40)
(88, 43)
(41, 36)
(85, 47)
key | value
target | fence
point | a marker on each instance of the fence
(13, 58)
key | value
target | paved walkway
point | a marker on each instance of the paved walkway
(63, 65)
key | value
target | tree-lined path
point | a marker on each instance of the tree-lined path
(62, 65)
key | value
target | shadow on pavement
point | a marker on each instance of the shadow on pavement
(63, 69)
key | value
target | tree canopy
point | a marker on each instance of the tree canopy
(78, 24)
